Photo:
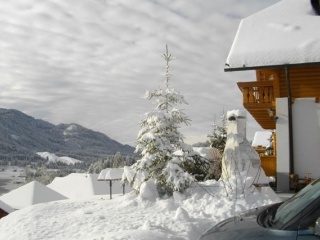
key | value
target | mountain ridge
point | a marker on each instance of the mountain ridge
(21, 136)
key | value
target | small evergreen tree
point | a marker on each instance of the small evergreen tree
(218, 137)
(44, 176)
(159, 139)
(117, 160)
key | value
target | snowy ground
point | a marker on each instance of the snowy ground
(183, 216)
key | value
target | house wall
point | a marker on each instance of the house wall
(282, 131)
(306, 135)
(306, 140)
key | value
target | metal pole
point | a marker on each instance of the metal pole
(290, 124)
(110, 181)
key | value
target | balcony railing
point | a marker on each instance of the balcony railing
(257, 94)
(259, 100)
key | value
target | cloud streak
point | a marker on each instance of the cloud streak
(90, 61)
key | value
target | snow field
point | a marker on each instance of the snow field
(182, 216)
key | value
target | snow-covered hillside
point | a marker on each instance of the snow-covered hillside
(52, 158)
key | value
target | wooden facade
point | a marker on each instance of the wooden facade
(269, 165)
(259, 97)
(304, 81)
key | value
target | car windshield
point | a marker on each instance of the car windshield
(282, 216)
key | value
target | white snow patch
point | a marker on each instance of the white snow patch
(71, 130)
(15, 137)
(52, 158)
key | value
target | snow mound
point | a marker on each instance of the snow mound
(182, 215)
(148, 190)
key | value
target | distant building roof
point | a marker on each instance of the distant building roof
(78, 185)
(30, 194)
(5, 207)
(261, 138)
(286, 33)
(81, 185)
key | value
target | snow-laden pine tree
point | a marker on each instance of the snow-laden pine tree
(218, 137)
(165, 156)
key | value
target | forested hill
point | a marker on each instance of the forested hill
(21, 136)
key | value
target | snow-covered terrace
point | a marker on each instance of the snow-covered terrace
(286, 33)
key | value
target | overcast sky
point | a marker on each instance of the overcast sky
(91, 61)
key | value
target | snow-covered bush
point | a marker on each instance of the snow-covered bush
(198, 166)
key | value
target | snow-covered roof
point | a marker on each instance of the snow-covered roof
(5, 207)
(286, 33)
(30, 194)
(78, 185)
(261, 138)
(81, 185)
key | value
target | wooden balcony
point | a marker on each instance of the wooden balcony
(259, 99)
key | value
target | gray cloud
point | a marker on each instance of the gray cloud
(90, 61)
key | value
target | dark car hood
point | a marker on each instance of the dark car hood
(241, 227)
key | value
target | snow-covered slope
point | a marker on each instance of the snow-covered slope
(52, 158)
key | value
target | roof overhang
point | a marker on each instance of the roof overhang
(271, 66)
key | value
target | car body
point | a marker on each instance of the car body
(298, 218)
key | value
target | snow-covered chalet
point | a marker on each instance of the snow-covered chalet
(282, 45)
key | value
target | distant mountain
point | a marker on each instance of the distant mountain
(21, 136)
